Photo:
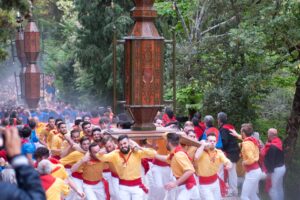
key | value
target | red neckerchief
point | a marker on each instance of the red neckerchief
(47, 181)
(228, 126)
(125, 161)
(253, 140)
(275, 142)
(23, 141)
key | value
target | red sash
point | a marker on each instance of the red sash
(190, 182)
(77, 175)
(206, 180)
(55, 157)
(47, 181)
(105, 184)
(160, 163)
(113, 174)
(53, 160)
(145, 164)
(136, 182)
(55, 169)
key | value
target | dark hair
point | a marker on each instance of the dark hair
(211, 134)
(25, 132)
(125, 124)
(173, 138)
(77, 122)
(84, 138)
(197, 115)
(169, 112)
(84, 116)
(50, 118)
(59, 124)
(57, 121)
(84, 124)
(32, 124)
(195, 121)
(95, 129)
(104, 120)
(73, 132)
(92, 145)
(94, 113)
(41, 152)
(106, 139)
(122, 137)
(247, 129)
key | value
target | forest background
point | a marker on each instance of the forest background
(237, 56)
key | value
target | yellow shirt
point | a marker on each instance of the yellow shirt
(209, 162)
(180, 163)
(191, 150)
(92, 170)
(39, 128)
(249, 152)
(57, 142)
(56, 189)
(59, 171)
(45, 133)
(72, 158)
(129, 167)
(50, 136)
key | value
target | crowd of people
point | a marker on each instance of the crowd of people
(78, 156)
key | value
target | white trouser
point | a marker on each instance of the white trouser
(79, 185)
(114, 188)
(159, 177)
(210, 191)
(94, 192)
(250, 186)
(182, 193)
(232, 179)
(131, 192)
(276, 191)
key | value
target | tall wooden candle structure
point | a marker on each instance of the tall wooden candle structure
(32, 72)
(143, 67)
(20, 52)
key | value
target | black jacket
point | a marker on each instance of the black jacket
(29, 186)
(274, 158)
(230, 145)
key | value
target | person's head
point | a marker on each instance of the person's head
(104, 122)
(78, 124)
(191, 134)
(51, 122)
(32, 124)
(97, 135)
(123, 143)
(44, 167)
(57, 121)
(36, 119)
(87, 128)
(169, 112)
(222, 118)
(108, 143)
(209, 121)
(75, 136)
(272, 133)
(172, 141)
(85, 143)
(62, 128)
(86, 118)
(246, 130)
(94, 113)
(41, 153)
(94, 149)
(188, 123)
(198, 115)
(211, 140)
(195, 121)
(25, 132)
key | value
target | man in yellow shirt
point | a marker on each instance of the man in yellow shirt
(94, 185)
(250, 156)
(57, 141)
(55, 188)
(70, 160)
(208, 161)
(68, 144)
(113, 179)
(182, 168)
(44, 134)
(127, 162)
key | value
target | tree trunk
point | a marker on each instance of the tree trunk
(293, 125)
